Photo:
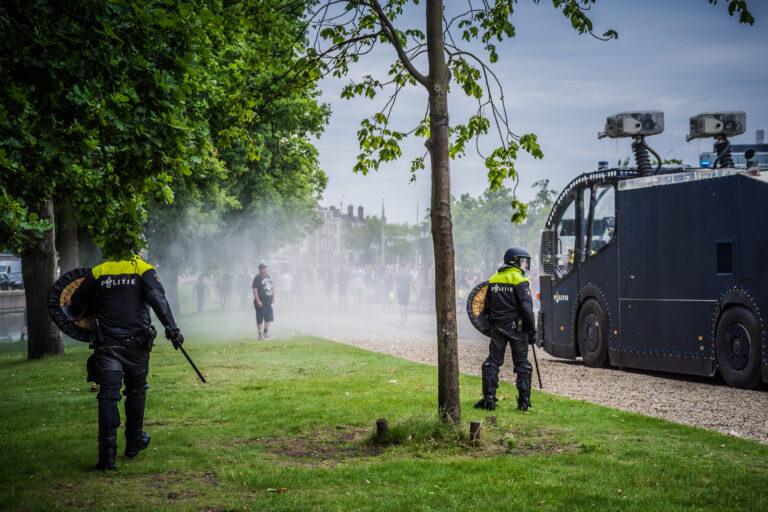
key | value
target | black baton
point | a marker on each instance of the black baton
(203, 378)
(536, 361)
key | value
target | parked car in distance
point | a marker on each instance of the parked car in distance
(11, 281)
(17, 282)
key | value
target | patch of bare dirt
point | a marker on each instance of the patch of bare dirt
(169, 488)
(495, 442)
(323, 447)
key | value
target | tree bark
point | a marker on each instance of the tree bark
(68, 245)
(38, 268)
(449, 403)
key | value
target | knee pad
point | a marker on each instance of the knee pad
(490, 369)
(110, 382)
(136, 391)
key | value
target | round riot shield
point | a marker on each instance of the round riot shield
(76, 324)
(475, 303)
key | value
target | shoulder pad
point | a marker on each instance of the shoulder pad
(133, 266)
(511, 275)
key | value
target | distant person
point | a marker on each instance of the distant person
(342, 282)
(120, 293)
(225, 290)
(244, 281)
(508, 305)
(403, 283)
(286, 287)
(200, 292)
(328, 282)
(388, 283)
(263, 298)
(358, 287)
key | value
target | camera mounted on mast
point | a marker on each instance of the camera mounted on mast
(637, 125)
(719, 125)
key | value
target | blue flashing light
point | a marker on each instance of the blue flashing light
(705, 163)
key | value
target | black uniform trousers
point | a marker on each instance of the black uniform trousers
(518, 342)
(112, 365)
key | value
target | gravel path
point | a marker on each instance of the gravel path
(700, 402)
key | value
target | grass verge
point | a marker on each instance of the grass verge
(288, 424)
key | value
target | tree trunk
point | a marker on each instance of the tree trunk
(38, 268)
(442, 226)
(68, 246)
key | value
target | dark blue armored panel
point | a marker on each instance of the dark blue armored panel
(545, 289)
(564, 304)
(753, 205)
(655, 335)
(670, 236)
(752, 260)
(598, 279)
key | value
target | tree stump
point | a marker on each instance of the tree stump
(474, 431)
(381, 428)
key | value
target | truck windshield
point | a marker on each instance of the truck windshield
(604, 220)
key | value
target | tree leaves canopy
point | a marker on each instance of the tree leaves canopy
(107, 103)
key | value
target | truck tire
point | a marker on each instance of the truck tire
(592, 334)
(737, 348)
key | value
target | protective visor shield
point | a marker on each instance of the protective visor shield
(475, 304)
(76, 324)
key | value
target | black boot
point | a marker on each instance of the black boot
(135, 439)
(134, 443)
(524, 393)
(487, 402)
(109, 420)
(490, 384)
(107, 452)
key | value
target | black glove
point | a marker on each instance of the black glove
(174, 336)
(532, 338)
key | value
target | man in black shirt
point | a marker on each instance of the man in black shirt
(263, 297)
(119, 293)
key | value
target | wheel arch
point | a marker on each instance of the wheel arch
(733, 297)
(586, 292)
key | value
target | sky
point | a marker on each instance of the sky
(683, 58)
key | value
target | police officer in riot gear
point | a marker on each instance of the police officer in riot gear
(119, 293)
(509, 308)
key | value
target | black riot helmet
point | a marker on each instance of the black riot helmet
(140, 246)
(518, 257)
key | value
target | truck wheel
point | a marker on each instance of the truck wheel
(737, 347)
(592, 334)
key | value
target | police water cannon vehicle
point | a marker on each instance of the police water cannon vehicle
(663, 269)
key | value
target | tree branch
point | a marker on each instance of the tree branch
(391, 34)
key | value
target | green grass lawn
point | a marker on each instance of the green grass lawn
(288, 424)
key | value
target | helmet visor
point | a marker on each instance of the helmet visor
(525, 263)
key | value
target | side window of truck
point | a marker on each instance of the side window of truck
(604, 220)
(566, 238)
